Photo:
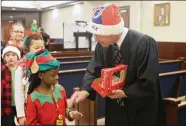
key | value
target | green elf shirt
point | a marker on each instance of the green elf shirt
(42, 109)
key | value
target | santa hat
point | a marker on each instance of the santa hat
(11, 48)
(106, 20)
(41, 60)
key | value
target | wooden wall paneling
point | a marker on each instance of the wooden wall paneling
(71, 53)
(171, 108)
(6, 26)
(172, 50)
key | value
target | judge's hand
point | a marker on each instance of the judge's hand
(70, 103)
(117, 94)
(78, 96)
(75, 115)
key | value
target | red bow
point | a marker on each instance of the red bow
(28, 32)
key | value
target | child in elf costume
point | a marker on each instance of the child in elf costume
(47, 101)
(12, 89)
(33, 42)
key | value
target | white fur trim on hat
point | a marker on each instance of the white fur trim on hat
(99, 29)
(11, 49)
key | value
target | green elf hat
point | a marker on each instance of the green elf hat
(32, 32)
(41, 60)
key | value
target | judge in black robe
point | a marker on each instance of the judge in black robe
(143, 104)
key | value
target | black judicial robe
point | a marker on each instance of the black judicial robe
(143, 105)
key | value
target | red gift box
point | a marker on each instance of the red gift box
(108, 81)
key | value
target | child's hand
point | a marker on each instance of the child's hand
(22, 120)
(75, 115)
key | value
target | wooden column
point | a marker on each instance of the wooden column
(89, 110)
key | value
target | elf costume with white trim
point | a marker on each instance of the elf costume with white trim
(42, 109)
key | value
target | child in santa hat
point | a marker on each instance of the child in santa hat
(12, 91)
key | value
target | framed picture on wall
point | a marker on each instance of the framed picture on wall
(162, 14)
(125, 14)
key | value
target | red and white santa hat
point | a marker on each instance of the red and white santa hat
(106, 20)
(11, 48)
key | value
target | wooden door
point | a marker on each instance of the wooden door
(125, 14)
(6, 26)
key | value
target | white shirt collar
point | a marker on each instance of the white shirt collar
(124, 33)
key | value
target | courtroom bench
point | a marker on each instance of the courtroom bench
(73, 58)
(163, 59)
(165, 65)
(69, 82)
(170, 65)
(175, 109)
(169, 84)
(71, 79)
(74, 65)
(173, 84)
(71, 53)
(75, 80)
(77, 62)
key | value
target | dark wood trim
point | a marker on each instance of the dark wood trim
(74, 57)
(172, 50)
(162, 59)
(72, 71)
(72, 53)
(75, 62)
(15, 18)
(39, 18)
(170, 61)
(180, 101)
(182, 105)
(128, 9)
(173, 73)
(172, 100)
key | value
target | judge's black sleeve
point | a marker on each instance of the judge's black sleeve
(144, 88)
(93, 71)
